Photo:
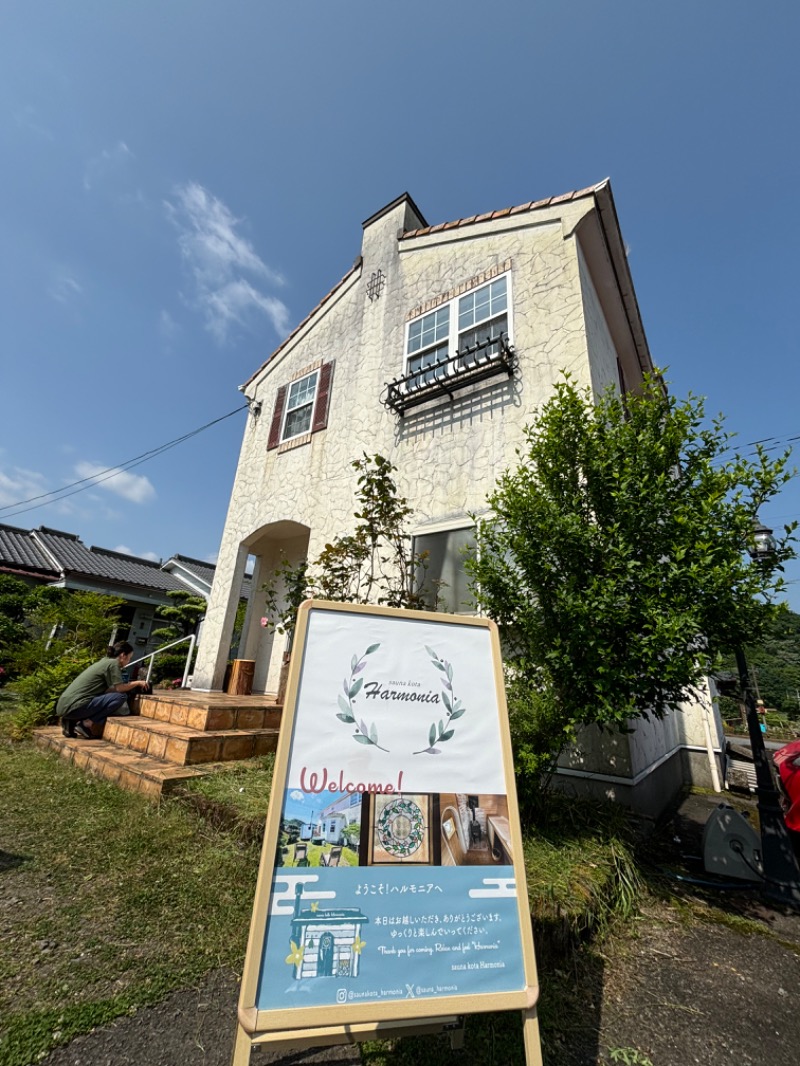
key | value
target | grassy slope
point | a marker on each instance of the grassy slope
(107, 902)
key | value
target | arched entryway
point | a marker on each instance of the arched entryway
(269, 545)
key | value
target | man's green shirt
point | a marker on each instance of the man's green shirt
(94, 681)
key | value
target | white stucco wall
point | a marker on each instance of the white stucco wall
(448, 454)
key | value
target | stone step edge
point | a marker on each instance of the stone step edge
(168, 711)
(184, 746)
(129, 765)
(187, 732)
(173, 697)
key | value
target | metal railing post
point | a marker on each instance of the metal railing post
(192, 643)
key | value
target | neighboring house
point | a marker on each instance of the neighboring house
(435, 350)
(197, 576)
(51, 556)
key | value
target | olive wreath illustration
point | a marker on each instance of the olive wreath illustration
(438, 733)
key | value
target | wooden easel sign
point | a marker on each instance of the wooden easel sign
(392, 889)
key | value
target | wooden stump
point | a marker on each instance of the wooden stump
(241, 679)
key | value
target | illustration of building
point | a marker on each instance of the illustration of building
(326, 943)
(435, 350)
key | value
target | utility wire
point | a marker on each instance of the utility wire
(104, 475)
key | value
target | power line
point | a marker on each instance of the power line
(105, 475)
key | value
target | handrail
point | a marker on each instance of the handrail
(192, 641)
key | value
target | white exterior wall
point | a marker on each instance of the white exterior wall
(449, 453)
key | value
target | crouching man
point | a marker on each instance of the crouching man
(98, 693)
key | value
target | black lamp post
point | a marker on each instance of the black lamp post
(781, 872)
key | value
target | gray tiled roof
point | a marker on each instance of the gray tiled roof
(102, 563)
(19, 551)
(52, 552)
(204, 571)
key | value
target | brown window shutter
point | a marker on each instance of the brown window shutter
(277, 417)
(320, 419)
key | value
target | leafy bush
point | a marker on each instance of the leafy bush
(170, 665)
(39, 691)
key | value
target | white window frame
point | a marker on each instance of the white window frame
(306, 403)
(453, 330)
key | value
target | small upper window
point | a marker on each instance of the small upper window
(299, 406)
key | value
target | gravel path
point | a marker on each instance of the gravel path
(195, 1026)
(682, 994)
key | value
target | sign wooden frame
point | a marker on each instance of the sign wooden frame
(471, 646)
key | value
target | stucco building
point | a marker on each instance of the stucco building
(434, 350)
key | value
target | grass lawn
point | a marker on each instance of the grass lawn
(109, 903)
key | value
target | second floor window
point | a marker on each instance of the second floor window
(462, 323)
(299, 406)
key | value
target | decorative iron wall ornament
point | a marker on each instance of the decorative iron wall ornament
(375, 284)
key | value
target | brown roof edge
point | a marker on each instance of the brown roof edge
(609, 220)
(353, 269)
(505, 212)
(41, 575)
(403, 197)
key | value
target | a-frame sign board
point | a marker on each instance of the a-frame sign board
(391, 896)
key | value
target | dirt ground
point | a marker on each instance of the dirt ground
(702, 978)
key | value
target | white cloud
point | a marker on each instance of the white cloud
(134, 487)
(168, 328)
(108, 162)
(27, 117)
(297, 795)
(65, 288)
(220, 262)
(18, 484)
(123, 549)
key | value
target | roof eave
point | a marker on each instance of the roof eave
(612, 232)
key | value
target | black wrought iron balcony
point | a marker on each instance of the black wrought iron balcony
(470, 365)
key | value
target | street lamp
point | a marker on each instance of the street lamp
(781, 872)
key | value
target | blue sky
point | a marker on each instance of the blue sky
(183, 181)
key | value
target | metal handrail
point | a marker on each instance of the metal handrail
(192, 641)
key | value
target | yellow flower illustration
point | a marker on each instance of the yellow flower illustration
(358, 944)
(295, 956)
(315, 907)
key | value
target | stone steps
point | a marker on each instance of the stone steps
(128, 769)
(174, 737)
(206, 711)
(186, 746)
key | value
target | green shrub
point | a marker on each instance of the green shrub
(38, 692)
(169, 666)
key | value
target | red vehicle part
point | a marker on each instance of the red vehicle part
(787, 761)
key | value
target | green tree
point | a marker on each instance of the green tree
(67, 631)
(774, 668)
(373, 564)
(61, 622)
(14, 633)
(614, 561)
(182, 615)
